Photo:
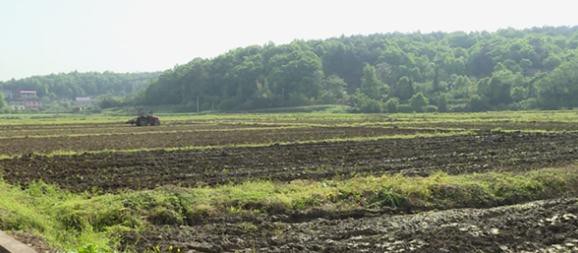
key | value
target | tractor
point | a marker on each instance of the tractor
(145, 120)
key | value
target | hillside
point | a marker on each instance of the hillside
(59, 88)
(508, 69)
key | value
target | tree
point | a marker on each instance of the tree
(560, 87)
(481, 62)
(404, 88)
(295, 75)
(364, 103)
(333, 89)
(391, 105)
(441, 102)
(455, 71)
(477, 104)
(2, 100)
(498, 88)
(371, 85)
(418, 102)
(110, 102)
(519, 94)
(67, 86)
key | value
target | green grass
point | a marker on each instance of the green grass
(86, 222)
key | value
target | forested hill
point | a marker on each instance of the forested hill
(75, 84)
(507, 69)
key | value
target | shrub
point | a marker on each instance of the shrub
(431, 108)
(418, 102)
(391, 105)
(405, 108)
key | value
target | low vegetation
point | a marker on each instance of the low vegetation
(97, 222)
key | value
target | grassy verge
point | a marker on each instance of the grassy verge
(84, 223)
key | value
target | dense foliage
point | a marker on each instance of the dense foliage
(2, 100)
(75, 84)
(507, 69)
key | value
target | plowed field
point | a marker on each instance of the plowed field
(411, 156)
(114, 158)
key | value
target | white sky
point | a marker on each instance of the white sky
(51, 36)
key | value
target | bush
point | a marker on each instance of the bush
(364, 103)
(110, 102)
(405, 108)
(431, 108)
(418, 102)
(391, 105)
(441, 102)
(477, 104)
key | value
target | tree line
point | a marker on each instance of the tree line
(76, 84)
(505, 70)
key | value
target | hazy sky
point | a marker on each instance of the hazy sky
(51, 36)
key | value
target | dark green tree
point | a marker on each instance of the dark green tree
(371, 85)
(456, 71)
(364, 103)
(404, 89)
(333, 89)
(560, 87)
(391, 105)
(418, 102)
(2, 100)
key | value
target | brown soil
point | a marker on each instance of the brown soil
(543, 226)
(503, 124)
(417, 156)
(190, 138)
(62, 130)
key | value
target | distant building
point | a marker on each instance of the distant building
(25, 100)
(83, 100)
(27, 95)
(82, 103)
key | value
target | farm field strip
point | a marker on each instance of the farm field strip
(569, 116)
(234, 145)
(89, 128)
(185, 139)
(517, 126)
(295, 182)
(114, 132)
(412, 156)
(58, 130)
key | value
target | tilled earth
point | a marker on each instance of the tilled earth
(192, 136)
(542, 226)
(413, 156)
